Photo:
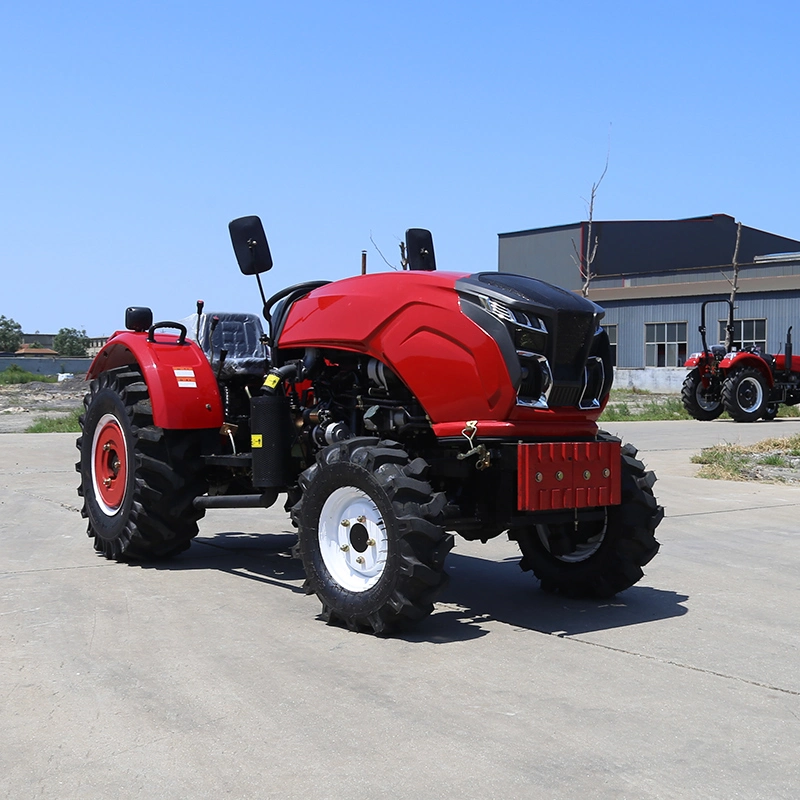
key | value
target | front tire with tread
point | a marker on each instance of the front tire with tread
(369, 535)
(600, 558)
(697, 404)
(744, 394)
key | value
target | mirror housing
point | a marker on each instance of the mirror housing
(419, 250)
(250, 245)
(138, 318)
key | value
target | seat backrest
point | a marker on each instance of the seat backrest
(238, 334)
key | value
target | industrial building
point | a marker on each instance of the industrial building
(652, 277)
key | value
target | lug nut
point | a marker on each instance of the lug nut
(106, 447)
(362, 519)
(107, 483)
(370, 543)
(360, 560)
(344, 548)
(345, 523)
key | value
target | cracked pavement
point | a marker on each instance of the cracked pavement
(209, 676)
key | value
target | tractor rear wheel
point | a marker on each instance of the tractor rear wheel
(696, 400)
(744, 394)
(602, 557)
(369, 535)
(137, 480)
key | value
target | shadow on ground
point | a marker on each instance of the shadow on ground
(479, 591)
(483, 591)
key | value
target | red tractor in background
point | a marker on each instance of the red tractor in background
(747, 383)
(390, 409)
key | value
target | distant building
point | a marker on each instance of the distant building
(653, 276)
(35, 351)
(95, 345)
(43, 339)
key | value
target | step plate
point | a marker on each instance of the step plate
(560, 475)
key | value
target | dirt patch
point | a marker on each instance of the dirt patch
(21, 404)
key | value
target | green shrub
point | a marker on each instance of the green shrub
(15, 374)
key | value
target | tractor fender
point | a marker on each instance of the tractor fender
(182, 387)
(743, 359)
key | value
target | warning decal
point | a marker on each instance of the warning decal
(185, 378)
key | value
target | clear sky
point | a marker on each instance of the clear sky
(131, 133)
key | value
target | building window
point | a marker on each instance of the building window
(611, 330)
(665, 344)
(746, 333)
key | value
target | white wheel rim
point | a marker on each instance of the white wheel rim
(746, 386)
(581, 552)
(352, 539)
(99, 491)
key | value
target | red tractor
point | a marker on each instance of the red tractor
(747, 383)
(390, 409)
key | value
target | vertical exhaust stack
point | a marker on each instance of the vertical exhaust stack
(787, 353)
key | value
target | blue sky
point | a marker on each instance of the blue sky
(132, 133)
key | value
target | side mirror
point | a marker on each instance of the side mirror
(250, 245)
(138, 318)
(419, 250)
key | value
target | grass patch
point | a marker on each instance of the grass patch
(15, 374)
(735, 462)
(661, 409)
(66, 424)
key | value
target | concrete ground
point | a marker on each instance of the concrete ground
(211, 677)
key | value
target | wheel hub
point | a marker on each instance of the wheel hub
(749, 394)
(109, 464)
(352, 539)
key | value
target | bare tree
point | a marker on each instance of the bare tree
(734, 282)
(584, 258)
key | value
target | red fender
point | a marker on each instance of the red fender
(744, 359)
(182, 386)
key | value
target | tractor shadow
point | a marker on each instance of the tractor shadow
(482, 591)
(479, 591)
(256, 556)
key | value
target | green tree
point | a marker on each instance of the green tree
(71, 342)
(10, 335)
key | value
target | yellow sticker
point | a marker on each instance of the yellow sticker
(256, 440)
(272, 381)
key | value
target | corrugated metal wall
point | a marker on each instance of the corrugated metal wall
(780, 309)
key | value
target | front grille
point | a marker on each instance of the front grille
(565, 395)
(572, 341)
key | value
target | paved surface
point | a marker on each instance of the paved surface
(210, 677)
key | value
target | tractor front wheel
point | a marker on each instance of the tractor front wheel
(744, 394)
(601, 557)
(770, 412)
(369, 535)
(697, 400)
(137, 480)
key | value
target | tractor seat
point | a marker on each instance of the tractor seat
(240, 335)
(718, 350)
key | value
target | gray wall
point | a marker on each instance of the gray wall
(46, 365)
(547, 256)
(779, 309)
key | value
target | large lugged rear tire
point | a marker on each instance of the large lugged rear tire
(744, 394)
(604, 557)
(369, 535)
(137, 480)
(695, 400)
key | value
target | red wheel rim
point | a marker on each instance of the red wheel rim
(110, 464)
